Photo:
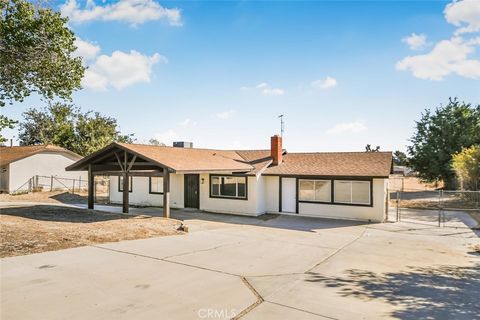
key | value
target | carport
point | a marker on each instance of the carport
(117, 160)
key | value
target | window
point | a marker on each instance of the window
(120, 184)
(355, 192)
(315, 190)
(156, 185)
(228, 187)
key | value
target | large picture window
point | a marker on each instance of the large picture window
(156, 185)
(120, 184)
(315, 190)
(355, 192)
(228, 187)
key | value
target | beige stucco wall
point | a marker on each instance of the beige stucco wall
(263, 196)
(245, 207)
(42, 164)
(375, 213)
(140, 192)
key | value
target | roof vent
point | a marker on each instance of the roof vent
(183, 144)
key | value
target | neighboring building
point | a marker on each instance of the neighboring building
(343, 185)
(23, 168)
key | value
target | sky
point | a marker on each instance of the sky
(343, 73)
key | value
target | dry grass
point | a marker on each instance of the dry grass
(38, 228)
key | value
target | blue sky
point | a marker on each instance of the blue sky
(344, 73)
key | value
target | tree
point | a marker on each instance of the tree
(400, 158)
(466, 165)
(155, 142)
(440, 134)
(368, 148)
(36, 48)
(66, 126)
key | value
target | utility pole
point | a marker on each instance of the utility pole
(282, 125)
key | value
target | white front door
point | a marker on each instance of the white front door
(289, 192)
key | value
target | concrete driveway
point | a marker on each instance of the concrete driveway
(272, 267)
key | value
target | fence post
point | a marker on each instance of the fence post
(36, 182)
(73, 187)
(398, 206)
(80, 184)
(440, 210)
(51, 183)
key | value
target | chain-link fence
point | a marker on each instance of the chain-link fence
(435, 207)
(39, 183)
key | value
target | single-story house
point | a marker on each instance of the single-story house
(23, 168)
(344, 185)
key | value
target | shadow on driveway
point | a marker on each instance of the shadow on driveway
(298, 223)
(443, 292)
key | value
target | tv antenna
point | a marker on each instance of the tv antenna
(282, 125)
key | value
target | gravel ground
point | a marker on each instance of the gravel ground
(38, 228)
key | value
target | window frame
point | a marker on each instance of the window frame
(130, 185)
(150, 185)
(212, 175)
(370, 200)
(332, 179)
(314, 193)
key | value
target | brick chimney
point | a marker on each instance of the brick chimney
(276, 149)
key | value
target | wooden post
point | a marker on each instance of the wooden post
(166, 193)
(91, 184)
(51, 183)
(73, 187)
(125, 191)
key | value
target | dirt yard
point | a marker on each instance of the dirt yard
(38, 228)
(46, 197)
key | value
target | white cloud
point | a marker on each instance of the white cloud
(167, 137)
(447, 57)
(225, 114)
(464, 14)
(267, 90)
(86, 50)
(326, 83)
(416, 41)
(347, 127)
(455, 55)
(134, 12)
(188, 122)
(120, 70)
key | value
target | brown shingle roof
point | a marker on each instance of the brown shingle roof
(192, 159)
(12, 154)
(371, 164)
(359, 164)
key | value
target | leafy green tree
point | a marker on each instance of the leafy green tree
(466, 164)
(36, 48)
(440, 134)
(400, 158)
(66, 126)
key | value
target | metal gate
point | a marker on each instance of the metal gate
(442, 208)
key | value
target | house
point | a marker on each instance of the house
(23, 168)
(345, 185)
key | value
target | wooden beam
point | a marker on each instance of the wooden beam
(130, 173)
(104, 167)
(166, 194)
(131, 163)
(126, 189)
(119, 162)
(91, 186)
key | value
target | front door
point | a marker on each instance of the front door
(192, 192)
